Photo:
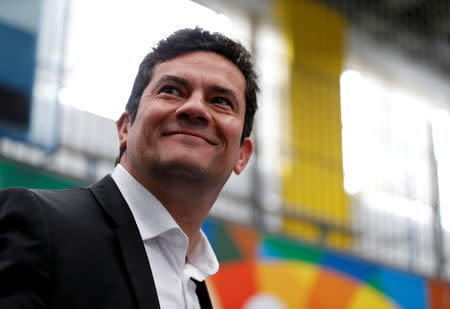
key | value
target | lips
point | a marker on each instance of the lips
(207, 138)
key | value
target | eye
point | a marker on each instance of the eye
(221, 101)
(170, 90)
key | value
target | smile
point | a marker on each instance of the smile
(209, 140)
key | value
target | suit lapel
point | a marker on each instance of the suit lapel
(130, 241)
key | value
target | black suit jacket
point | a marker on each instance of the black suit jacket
(76, 248)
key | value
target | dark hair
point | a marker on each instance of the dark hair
(189, 40)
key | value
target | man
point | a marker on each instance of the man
(133, 239)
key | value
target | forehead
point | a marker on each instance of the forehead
(206, 68)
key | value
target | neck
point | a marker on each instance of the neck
(188, 199)
(187, 202)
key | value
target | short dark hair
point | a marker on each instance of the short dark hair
(189, 40)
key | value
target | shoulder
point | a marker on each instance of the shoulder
(15, 194)
(35, 206)
(71, 209)
(56, 219)
(16, 200)
(36, 194)
(25, 199)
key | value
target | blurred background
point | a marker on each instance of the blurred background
(346, 202)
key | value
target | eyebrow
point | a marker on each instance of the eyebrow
(170, 78)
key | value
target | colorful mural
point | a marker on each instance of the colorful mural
(264, 271)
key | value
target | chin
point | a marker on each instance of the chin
(183, 167)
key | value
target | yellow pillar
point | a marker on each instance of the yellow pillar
(312, 171)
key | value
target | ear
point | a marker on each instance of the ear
(123, 125)
(245, 153)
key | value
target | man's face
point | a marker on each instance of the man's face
(189, 121)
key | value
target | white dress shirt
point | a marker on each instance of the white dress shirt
(166, 246)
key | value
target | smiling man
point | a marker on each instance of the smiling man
(133, 240)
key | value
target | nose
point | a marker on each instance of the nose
(194, 110)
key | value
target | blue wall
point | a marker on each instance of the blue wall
(17, 59)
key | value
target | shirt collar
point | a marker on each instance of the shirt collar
(152, 218)
(202, 257)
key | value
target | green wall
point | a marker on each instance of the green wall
(13, 174)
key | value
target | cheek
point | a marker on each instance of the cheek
(154, 113)
(152, 119)
(232, 129)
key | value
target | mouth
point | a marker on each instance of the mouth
(209, 140)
